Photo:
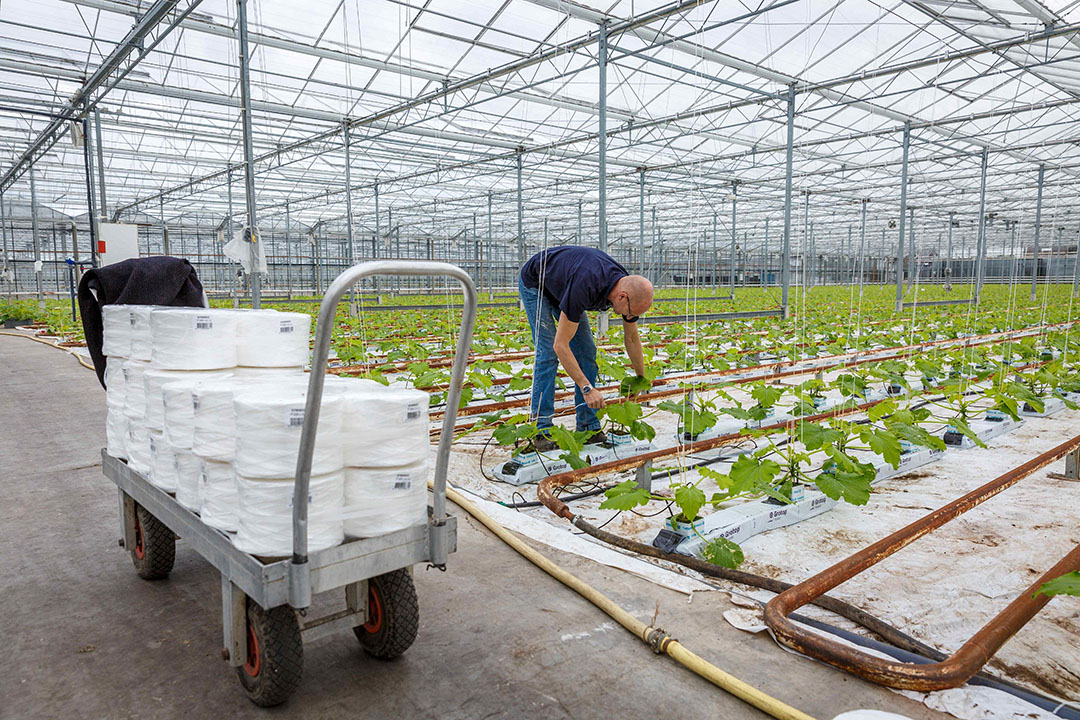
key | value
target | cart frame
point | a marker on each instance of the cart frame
(272, 583)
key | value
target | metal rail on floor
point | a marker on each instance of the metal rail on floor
(934, 303)
(973, 654)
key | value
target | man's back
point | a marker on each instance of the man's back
(574, 279)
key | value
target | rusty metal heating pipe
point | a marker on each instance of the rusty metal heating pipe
(973, 654)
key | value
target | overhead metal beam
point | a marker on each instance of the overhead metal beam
(111, 71)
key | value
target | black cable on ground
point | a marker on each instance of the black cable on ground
(1051, 705)
(894, 638)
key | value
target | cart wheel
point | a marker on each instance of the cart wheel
(275, 663)
(394, 615)
(155, 546)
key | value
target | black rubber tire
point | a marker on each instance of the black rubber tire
(275, 663)
(155, 546)
(395, 615)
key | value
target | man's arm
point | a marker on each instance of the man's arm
(563, 334)
(632, 341)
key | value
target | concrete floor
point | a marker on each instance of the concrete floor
(498, 638)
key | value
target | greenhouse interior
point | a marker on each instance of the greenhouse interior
(693, 341)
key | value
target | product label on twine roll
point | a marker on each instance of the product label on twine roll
(204, 322)
(403, 481)
(131, 318)
(294, 417)
(194, 403)
(286, 327)
(412, 411)
(153, 445)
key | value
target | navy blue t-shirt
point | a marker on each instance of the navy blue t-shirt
(575, 279)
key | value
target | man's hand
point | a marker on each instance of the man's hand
(594, 399)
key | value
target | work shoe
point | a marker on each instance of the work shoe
(544, 444)
(598, 437)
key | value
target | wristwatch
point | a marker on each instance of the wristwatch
(586, 390)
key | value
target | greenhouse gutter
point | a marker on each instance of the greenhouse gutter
(973, 654)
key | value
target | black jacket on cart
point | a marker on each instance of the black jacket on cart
(158, 280)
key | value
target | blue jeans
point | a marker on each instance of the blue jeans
(543, 319)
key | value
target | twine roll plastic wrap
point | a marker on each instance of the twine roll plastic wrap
(382, 500)
(214, 436)
(154, 381)
(267, 338)
(163, 462)
(269, 421)
(134, 372)
(116, 423)
(139, 320)
(264, 514)
(116, 329)
(214, 433)
(188, 468)
(385, 427)
(138, 448)
(193, 338)
(217, 495)
(265, 372)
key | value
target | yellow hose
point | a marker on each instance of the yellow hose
(74, 354)
(654, 637)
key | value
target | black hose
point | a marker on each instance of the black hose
(895, 639)
(1054, 707)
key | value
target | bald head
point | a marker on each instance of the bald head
(632, 295)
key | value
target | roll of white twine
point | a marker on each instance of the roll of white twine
(116, 331)
(265, 509)
(385, 427)
(154, 381)
(382, 500)
(214, 435)
(163, 462)
(135, 389)
(193, 338)
(266, 372)
(217, 495)
(188, 473)
(138, 449)
(139, 319)
(116, 433)
(269, 421)
(268, 338)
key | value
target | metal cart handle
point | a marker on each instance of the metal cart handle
(299, 573)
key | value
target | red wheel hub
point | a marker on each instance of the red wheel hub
(254, 662)
(138, 539)
(374, 611)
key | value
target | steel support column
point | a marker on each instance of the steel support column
(249, 152)
(641, 221)
(349, 238)
(765, 257)
(912, 264)
(520, 216)
(862, 247)
(903, 213)
(91, 210)
(102, 207)
(948, 252)
(734, 193)
(980, 246)
(1038, 229)
(601, 136)
(38, 268)
(785, 266)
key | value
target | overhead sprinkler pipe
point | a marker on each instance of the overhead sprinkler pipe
(974, 653)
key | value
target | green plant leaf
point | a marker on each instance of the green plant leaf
(690, 499)
(723, 552)
(1068, 584)
(625, 496)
